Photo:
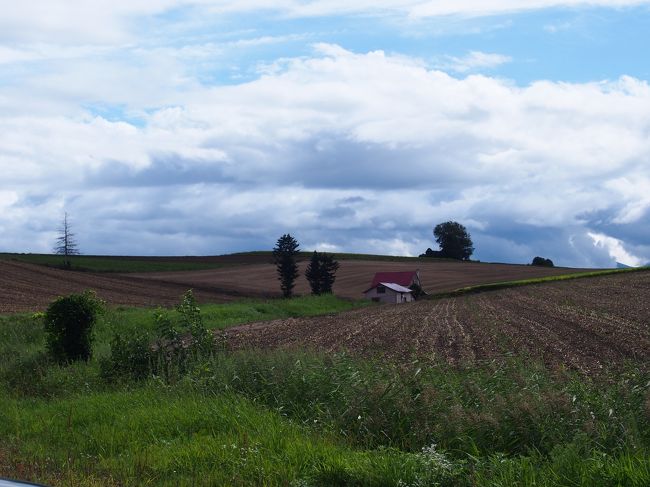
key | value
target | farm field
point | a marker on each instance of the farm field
(354, 276)
(413, 395)
(29, 287)
(585, 325)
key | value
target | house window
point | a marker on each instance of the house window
(381, 290)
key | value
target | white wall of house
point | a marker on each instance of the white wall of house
(389, 296)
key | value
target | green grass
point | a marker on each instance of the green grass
(538, 280)
(156, 436)
(114, 264)
(98, 263)
(22, 335)
(298, 418)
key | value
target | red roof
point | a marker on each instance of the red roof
(402, 278)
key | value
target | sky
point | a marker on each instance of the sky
(202, 127)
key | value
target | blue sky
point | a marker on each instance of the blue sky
(182, 127)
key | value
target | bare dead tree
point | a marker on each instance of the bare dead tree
(66, 244)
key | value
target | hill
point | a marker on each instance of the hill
(354, 276)
(587, 325)
(30, 287)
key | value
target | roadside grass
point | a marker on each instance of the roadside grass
(154, 435)
(538, 280)
(301, 418)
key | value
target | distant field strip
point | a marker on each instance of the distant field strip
(30, 287)
(540, 280)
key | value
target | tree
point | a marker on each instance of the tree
(284, 254)
(321, 273)
(542, 262)
(66, 244)
(454, 240)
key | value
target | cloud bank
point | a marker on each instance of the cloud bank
(112, 21)
(355, 151)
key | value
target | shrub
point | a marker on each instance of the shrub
(542, 262)
(176, 346)
(129, 359)
(69, 325)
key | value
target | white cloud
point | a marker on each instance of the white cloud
(112, 21)
(636, 195)
(616, 249)
(475, 61)
(361, 151)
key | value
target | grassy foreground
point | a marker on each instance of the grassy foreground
(291, 418)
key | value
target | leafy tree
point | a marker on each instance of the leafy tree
(321, 273)
(542, 262)
(454, 240)
(69, 325)
(284, 254)
(66, 244)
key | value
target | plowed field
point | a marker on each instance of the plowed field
(353, 277)
(29, 287)
(587, 325)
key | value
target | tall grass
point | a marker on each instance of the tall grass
(297, 418)
(509, 407)
(157, 436)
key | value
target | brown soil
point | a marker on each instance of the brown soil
(28, 287)
(352, 278)
(586, 325)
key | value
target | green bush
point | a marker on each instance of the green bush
(129, 359)
(69, 325)
(177, 346)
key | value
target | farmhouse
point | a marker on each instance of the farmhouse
(393, 287)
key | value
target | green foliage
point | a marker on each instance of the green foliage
(154, 435)
(542, 262)
(191, 321)
(454, 240)
(130, 358)
(511, 407)
(69, 325)
(321, 273)
(178, 346)
(284, 254)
